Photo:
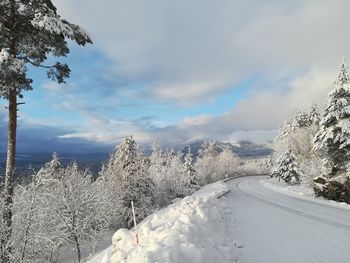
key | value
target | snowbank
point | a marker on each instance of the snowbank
(194, 229)
(300, 191)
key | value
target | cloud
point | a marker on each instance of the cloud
(40, 138)
(255, 118)
(188, 52)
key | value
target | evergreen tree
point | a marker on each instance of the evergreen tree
(128, 178)
(190, 171)
(30, 31)
(297, 135)
(334, 135)
(287, 168)
(314, 115)
(50, 170)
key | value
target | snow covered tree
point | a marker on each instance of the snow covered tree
(50, 170)
(297, 135)
(190, 171)
(158, 166)
(60, 209)
(228, 164)
(334, 135)
(287, 168)
(177, 180)
(127, 175)
(158, 171)
(207, 163)
(173, 176)
(34, 226)
(76, 205)
(314, 115)
(30, 31)
(208, 149)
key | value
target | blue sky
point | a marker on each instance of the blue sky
(175, 72)
(90, 81)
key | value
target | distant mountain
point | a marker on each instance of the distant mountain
(243, 149)
(93, 161)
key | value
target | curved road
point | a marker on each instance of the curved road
(274, 227)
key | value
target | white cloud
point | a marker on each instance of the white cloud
(188, 51)
(254, 118)
(195, 120)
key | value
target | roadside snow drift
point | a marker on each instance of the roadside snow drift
(194, 229)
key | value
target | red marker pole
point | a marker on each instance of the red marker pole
(134, 217)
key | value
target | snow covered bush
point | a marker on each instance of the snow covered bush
(334, 135)
(287, 168)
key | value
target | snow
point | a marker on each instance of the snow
(15, 64)
(281, 186)
(301, 191)
(53, 25)
(103, 243)
(4, 55)
(194, 229)
(275, 227)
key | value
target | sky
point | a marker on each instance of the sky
(174, 72)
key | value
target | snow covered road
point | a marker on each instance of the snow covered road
(274, 227)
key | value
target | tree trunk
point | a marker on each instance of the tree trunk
(78, 247)
(29, 223)
(10, 168)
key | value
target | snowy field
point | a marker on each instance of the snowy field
(197, 228)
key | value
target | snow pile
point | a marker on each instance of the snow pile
(194, 229)
(303, 192)
(274, 184)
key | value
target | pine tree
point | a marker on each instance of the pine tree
(314, 115)
(31, 30)
(50, 170)
(190, 171)
(334, 135)
(287, 168)
(128, 178)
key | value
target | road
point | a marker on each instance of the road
(274, 227)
